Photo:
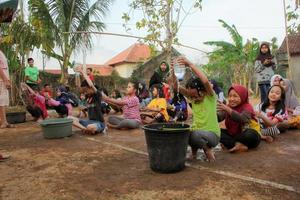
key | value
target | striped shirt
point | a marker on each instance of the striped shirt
(131, 109)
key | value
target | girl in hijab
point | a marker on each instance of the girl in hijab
(241, 133)
(160, 77)
(276, 79)
(264, 69)
(292, 104)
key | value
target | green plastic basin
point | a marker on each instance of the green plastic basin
(57, 128)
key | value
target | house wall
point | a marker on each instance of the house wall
(295, 67)
(125, 70)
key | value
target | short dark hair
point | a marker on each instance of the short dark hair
(30, 59)
(45, 85)
(195, 83)
(135, 84)
(84, 84)
(90, 69)
(159, 88)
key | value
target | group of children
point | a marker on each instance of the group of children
(244, 127)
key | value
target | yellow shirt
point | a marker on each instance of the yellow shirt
(160, 103)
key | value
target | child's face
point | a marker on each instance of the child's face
(275, 94)
(88, 71)
(163, 67)
(276, 81)
(48, 88)
(234, 99)
(58, 93)
(130, 89)
(154, 92)
(264, 49)
(283, 85)
(194, 94)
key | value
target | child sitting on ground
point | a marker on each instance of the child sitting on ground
(130, 105)
(205, 127)
(156, 110)
(35, 103)
(62, 103)
(239, 115)
(95, 122)
(272, 112)
(179, 109)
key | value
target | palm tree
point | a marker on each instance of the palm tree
(54, 18)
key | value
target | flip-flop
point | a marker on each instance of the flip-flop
(7, 126)
(4, 157)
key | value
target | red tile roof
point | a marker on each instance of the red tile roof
(135, 53)
(294, 45)
(102, 70)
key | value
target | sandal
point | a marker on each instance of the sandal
(7, 126)
(4, 157)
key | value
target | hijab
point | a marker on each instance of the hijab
(263, 56)
(163, 74)
(274, 77)
(232, 126)
(291, 100)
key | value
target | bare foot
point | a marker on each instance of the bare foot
(239, 147)
(268, 139)
(223, 147)
(209, 154)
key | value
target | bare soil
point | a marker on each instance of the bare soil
(98, 167)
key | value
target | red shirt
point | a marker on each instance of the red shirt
(91, 76)
(43, 93)
(39, 101)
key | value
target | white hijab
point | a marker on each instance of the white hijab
(275, 77)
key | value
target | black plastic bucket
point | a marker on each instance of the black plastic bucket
(16, 117)
(167, 146)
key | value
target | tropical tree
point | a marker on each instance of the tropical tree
(161, 19)
(233, 62)
(58, 21)
(18, 40)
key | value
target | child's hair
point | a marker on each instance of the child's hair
(90, 69)
(135, 85)
(45, 85)
(159, 88)
(84, 84)
(195, 83)
(30, 59)
(279, 106)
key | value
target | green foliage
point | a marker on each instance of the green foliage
(293, 18)
(233, 62)
(56, 21)
(162, 19)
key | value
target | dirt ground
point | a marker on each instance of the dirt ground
(116, 167)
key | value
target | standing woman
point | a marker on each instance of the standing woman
(159, 77)
(264, 69)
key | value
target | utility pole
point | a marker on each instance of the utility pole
(287, 41)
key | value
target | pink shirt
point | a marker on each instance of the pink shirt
(132, 108)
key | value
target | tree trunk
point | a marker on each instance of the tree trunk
(64, 70)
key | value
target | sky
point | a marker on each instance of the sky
(261, 19)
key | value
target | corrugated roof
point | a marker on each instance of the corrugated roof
(103, 70)
(294, 45)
